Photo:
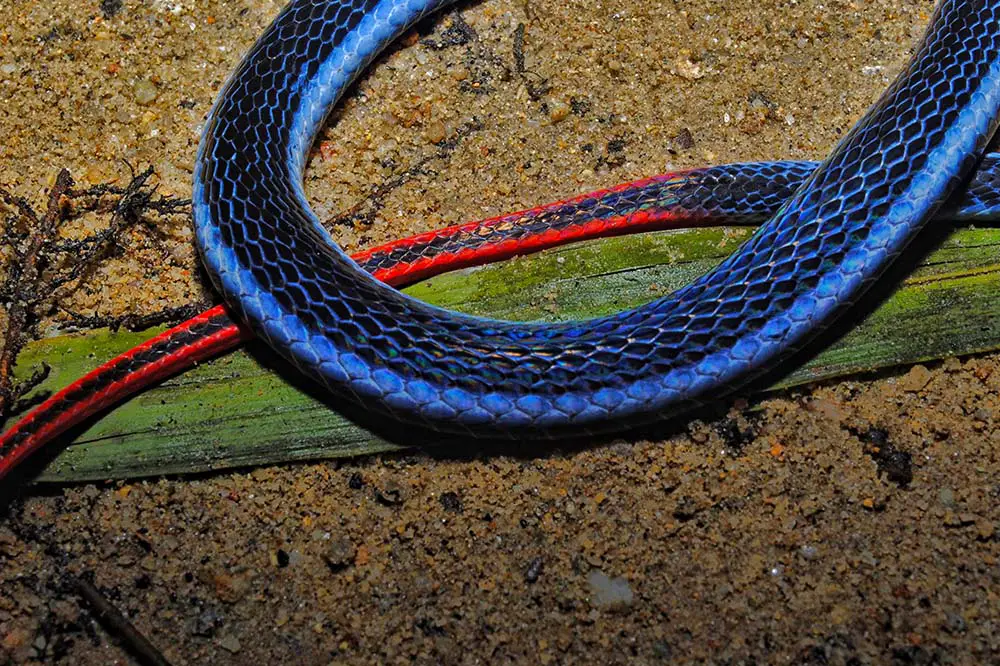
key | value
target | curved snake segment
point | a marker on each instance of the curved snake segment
(733, 194)
(366, 342)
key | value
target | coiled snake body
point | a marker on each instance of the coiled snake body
(364, 341)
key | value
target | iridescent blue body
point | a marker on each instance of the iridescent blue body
(282, 273)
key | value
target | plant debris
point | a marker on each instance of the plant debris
(41, 265)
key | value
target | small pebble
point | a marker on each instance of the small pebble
(206, 623)
(436, 132)
(558, 111)
(340, 554)
(608, 592)
(688, 70)
(389, 496)
(954, 623)
(916, 379)
(230, 644)
(144, 91)
(534, 570)
(684, 140)
(451, 502)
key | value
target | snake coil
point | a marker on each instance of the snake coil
(364, 341)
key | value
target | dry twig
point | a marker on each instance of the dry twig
(41, 265)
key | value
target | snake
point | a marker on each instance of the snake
(829, 231)
(280, 271)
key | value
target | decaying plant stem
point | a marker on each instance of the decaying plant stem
(41, 265)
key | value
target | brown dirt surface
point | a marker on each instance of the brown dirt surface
(850, 523)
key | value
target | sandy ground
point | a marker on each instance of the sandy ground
(853, 523)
